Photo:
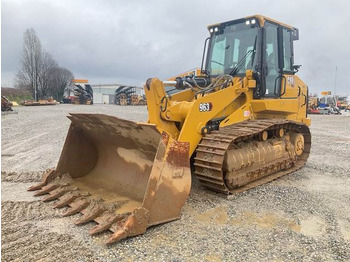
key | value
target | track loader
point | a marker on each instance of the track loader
(241, 123)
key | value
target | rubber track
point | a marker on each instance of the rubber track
(211, 151)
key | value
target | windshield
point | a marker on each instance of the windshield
(234, 44)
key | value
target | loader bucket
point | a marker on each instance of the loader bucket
(123, 175)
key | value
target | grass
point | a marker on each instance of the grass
(17, 95)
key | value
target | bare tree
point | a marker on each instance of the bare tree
(47, 66)
(39, 72)
(60, 78)
(28, 76)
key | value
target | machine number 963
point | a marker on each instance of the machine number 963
(205, 107)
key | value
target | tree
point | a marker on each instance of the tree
(39, 73)
(47, 67)
(60, 78)
(28, 75)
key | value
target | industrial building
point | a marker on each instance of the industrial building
(105, 93)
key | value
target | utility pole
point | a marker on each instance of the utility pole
(35, 93)
(335, 81)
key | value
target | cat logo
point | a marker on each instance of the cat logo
(290, 81)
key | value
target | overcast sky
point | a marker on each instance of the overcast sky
(129, 41)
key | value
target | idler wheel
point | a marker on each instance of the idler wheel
(297, 140)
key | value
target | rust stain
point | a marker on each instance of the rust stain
(165, 138)
(178, 154)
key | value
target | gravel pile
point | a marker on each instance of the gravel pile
(301, 216)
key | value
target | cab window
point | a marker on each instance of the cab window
(287, 50)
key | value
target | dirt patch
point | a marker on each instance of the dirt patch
(216, 215)
(313, 226)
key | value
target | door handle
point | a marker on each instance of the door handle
(305, 100)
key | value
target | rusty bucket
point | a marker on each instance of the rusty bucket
(125, 176)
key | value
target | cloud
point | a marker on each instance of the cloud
(117, 41)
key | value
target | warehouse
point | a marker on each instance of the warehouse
(104, 93)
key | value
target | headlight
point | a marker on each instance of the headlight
(247, 22)
(253, 21)
(216, 29)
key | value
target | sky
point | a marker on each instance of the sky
(127, 42)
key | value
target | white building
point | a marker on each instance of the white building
(104, 93)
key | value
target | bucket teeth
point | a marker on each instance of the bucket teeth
(135, 224)
(125, 230)
(116, 236)
(46, 189)
(66, 200)
(36, 187)
(46, 177)
(106, 224)
(90, 215)
(77, 207)
(56, 194)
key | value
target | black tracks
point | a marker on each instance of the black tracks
(210, 153)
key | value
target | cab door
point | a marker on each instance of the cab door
(273, 70)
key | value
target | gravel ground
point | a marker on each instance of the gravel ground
(301, 216)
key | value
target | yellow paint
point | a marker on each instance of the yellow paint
(180, 115)
(81, 81)
(261, 19)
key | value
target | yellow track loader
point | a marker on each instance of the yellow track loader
(242, 122)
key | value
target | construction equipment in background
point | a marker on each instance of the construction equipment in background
(80, 92)
(347, 108)
(342, 102)
(313, 104)
(6, 104)
(239, 124)
(41, 102)
(127, 95)
(328, 104)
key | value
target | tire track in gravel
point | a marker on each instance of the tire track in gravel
(23, 239)
(24, 177)
(15, 212)
(29, 244)
(19, 144)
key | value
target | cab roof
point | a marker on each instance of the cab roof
(261, 19)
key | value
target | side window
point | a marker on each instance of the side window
(272, 49)
(287, 51)
(236, 50)
(271, 60)
(218, 56)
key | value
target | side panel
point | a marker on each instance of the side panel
(97, 98)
